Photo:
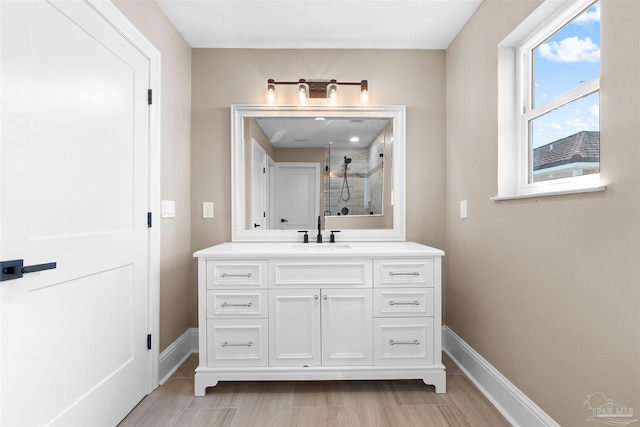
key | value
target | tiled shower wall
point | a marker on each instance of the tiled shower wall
(361, 194)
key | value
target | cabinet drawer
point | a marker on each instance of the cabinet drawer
(322, 273)
(236, 274)
(403, 341)
(237, 342)
(236, 303)
(402, 302)
(395, 272)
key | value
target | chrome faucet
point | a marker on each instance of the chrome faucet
(319, 238)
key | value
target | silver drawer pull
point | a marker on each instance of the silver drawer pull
(226, 344)
(237, 275)
(402, 273)
(226, 304)
(404, 303)
(415, 342)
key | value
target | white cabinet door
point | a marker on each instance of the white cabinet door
(347, 327)
(294, 327)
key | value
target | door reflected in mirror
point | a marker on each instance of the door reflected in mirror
(291, 165)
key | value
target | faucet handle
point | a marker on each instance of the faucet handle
(306, 235)
(332, 238)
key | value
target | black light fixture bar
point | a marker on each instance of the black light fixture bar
(318, 89)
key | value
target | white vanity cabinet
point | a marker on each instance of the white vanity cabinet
(278, 311)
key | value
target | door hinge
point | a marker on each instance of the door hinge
(149, 219)
(150, 96)
(264, 214)
(264, 170)
(149, 342)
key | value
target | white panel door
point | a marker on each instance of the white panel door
(74, 190)
(347, 327)
(297, 195)
(294, 327)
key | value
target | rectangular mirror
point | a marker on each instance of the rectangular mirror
(291, 165)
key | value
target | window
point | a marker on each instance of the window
(549, 102)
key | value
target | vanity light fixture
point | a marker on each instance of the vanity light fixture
(317, 89)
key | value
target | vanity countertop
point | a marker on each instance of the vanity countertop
(298, 249)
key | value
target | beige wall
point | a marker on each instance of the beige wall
(546, 289)
(177, 294)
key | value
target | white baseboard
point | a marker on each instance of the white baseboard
(514, 405)
(177, 352)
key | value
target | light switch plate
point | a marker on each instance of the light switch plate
(207, 209)
(168, 209)
(463, 209)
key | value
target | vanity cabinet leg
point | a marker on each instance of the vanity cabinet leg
(438, 380)
(200, 385)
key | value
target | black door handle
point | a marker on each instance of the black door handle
(284, 220)
(256, 225)
(14, 269)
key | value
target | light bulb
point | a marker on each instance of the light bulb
(303, 92)
(364, 91)
(271, 92)
(332, 92)
(364, 96)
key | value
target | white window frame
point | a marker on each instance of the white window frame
(515, 92)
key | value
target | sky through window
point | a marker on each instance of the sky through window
(564, 61)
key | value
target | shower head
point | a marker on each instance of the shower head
(347, 160)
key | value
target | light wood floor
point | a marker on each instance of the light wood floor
(315, 403)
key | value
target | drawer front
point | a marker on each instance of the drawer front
(237, 342)
(403, 341)
(324, 273)
(237, 274)
(402, 302)
(396, 272)
(237, 304)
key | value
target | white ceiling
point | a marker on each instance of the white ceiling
(307, 132)
(321, 24)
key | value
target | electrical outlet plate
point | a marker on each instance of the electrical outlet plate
(207, 209)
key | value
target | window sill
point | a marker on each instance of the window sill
(593, 189)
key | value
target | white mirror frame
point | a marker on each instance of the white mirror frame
(238, 186)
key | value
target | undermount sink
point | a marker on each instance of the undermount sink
(321, 247)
